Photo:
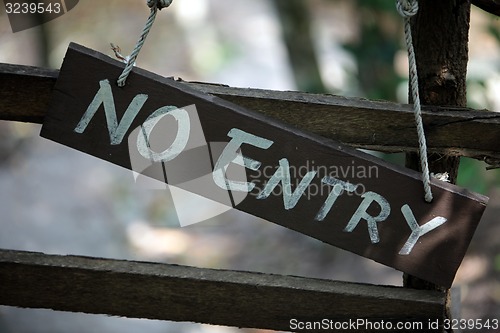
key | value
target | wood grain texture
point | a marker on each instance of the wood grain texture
(383, 126)
(25, 92)
(180, 293)
(377, 125)
(437, 255)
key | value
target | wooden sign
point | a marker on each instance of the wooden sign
(315, 186)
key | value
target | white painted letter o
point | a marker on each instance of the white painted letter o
(181, 139)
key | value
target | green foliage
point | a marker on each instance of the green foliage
(473, 175)
(497, 263)
(494, 31)
(396, 158)
(379, 5)
(376, 48)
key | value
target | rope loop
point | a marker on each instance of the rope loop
(160, 4)
(407, 8)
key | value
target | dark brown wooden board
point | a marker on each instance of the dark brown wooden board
(219, 297)
(435, 257)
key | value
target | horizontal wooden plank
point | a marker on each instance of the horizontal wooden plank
(383, 126)
(376, 125)
(180, 293)
(25, 92)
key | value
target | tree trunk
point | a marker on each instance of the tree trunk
(440, 36)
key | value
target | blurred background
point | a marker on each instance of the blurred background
(56, 200)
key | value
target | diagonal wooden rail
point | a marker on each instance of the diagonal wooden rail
(384, 126)
(180, 293)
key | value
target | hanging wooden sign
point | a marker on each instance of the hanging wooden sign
(208, 146)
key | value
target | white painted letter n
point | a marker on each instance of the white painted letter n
(105, 96)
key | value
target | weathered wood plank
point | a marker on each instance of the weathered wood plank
(25, 92)
(376, 125)
(181, 293)
(383, 126)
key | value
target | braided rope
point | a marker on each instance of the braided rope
(407, 9)
(155, 5)
(160, 4)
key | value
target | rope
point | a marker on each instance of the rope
(155, 5)
(407, 9)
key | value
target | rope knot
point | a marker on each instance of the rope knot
(160, 4)
(407, 8)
